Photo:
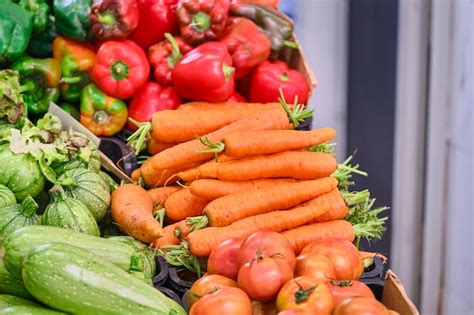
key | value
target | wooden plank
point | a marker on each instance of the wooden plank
(395, 297)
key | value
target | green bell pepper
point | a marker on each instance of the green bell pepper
(40, 79)
(40, 45)
(39, 11)
(72, 18)
(15, 31)
(71, 110)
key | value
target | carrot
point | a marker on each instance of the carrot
(228, 106)
(212, 188)
(202, 242)
(338, 211)
(293, 164)
(160, 194)
(132, 210)
(136, 174)
(188, 152)
(228, 209)
(169, 236)
(250, 143)
(301, 236)
(183, 204)
(156, 177)
(155, 147)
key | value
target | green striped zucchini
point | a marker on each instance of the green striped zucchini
(15, 305)
(11, 285)
(72, 280)
(7, 197)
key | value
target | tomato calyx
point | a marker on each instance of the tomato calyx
(302, 294)
(342, 283)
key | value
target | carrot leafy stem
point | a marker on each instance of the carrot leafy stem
(197, 223)
(180, 256)
(298, 112)
(138, 139)
(325, 147)
(344, 173)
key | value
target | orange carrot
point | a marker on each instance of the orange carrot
(293, 164)
(228, 106)
(202, 242)
(188, 152)
(157, 177)
(301, 236)
(183, 204)
(169, 236)
(132, 211)
(136, 174)
(338, 211)
(160, 194)
(228, 209)
(212, 188)
(250, 143)
(155, 147)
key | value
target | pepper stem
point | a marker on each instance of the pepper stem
(28, 206)
(201, 22)
(228, 71)
(119, 70)
(107, 19)
(175, 55)
(100, 116)
(284, 76)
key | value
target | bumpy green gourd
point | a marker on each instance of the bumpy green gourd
(6, 196)
(11, 285)
(10, 304)
(13, 217)
(69, 213)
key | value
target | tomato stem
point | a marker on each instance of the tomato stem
(302, 295)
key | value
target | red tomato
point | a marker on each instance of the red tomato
(262, 278)
(342, 289)
(344, 256)
(226, 301)
(307, 294)
(295, 311)
(206, 285)
(359, 305)
(316, 266)
(270, 243)
(223, 259)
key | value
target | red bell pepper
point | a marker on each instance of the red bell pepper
(165, 55)
(121, 68)
(113, 19)
(268, 3)
(271, 76)
(157, 17)
(202, 20)
(236, 98)
(247, 45)
(150, 98)
(205, 74)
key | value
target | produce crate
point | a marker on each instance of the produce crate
(395, 297)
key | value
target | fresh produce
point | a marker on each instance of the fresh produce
(121, 68)
(223, 258)
(343, 254)
(153, 177)
(71, 110)
(270, 244)
(183, 204)
(149, 99)
(12, 106)
(122, 254)
(164, 56)
(7, 198)
(268, 3)
(270, 77)
(272, 23)
(156, 18)
(51, 284)
(76, 60)
(226, 300)
(113, 19)
(211, 59)
(342, 289)
(201, 21)
(40, 80)
(40, 46)
(310, 165)
(306, 293)
(16, 28)
(360, 305)
(236, 98)
(338, 210)
(16, 216)
(10, 304)
(262, 277)
(89, 188)
(39, 11)
(301, 236)
(316, 266)
(69, 213)
(173, 234)
(246, 54)
(206, 285)
(11, 285)
(160, 194)
(72, 19)
(102, 114)
(134, 216)
(155, 147)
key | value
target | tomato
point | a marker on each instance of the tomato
(260, 308)
(226, 301)
(223, 259)
(315, 266)
(206, 285)
(295, 311)
(262, 277)
(360, 305)
(269, 243)
(342, 289)
(306, 293)
(344, 256)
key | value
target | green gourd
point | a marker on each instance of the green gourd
(13, 217)
(10, 304)
(6, 196)
(69, 213)
(11, 285)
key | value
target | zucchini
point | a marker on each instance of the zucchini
(15, 216)
(69, 213)
(15, 305)
(73, 280)
(7, 197)
(12, 285)
(19, 243)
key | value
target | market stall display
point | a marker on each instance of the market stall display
(235, 206)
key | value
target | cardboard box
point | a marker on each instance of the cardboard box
(395, 297)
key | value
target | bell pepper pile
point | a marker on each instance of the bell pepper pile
(107, 61)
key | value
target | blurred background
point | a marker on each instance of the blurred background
(396, 80)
